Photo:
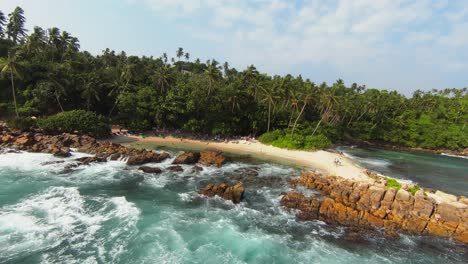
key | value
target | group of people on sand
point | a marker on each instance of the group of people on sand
(338, 162)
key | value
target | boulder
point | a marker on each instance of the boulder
(146, 157)
(24, 141)
(188, 157)
(63, 152)
(175, 168)
(233, 193)
(197, 168)
(209, 158)
(147, 169)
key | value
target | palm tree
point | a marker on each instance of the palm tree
(250, 78)
(2, 24)
(56, 82)
(187, 56)
(270, 99)
(90, 90)
(11, 67)
(294, 108)
(15, 27)
(307, 99)
(180, 53)
(213, 73)
(163, 78)
(36, 41)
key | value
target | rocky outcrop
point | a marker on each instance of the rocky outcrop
(188, 157)
(233, 193)
(175, 168)
(59, 145)
(147, 169)
(210, 157)
(371, 204)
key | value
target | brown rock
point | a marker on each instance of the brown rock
(24, 141)
(146, 157)
(188, 157)
(212, 158)
(175, 168)
(233, 193)
(147, 169)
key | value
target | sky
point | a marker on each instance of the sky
(401, 45)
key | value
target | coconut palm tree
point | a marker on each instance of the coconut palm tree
(90, 89)
(163, 77)
(187, 56)
(2, 24)
(250, 76)
(270, 99)
(36, 42)
(306, 101)
(180, 53)
(15, 27)
(54, 83)
(213, 73)
(12, 68)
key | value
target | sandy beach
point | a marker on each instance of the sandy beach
(321, 161)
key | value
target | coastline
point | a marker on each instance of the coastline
(395, 147)
(322, 161)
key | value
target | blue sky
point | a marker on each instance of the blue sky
(389, 44)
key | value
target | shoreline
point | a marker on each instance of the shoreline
(396, 147)
(322, 161)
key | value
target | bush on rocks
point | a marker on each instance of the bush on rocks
(81, 121)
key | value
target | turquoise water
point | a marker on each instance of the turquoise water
(439, 172)
(111, 213)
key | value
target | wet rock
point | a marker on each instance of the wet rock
(175, 168)
(367, 205)
(63, 152)
(197, 168)
(147, 169)
(233, 193)
(24, 140)
(146, 157)
(88, 160)
(209, 158)
(188, 157)
(309, 207)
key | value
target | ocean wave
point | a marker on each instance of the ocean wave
(61, 216)
(454, 156)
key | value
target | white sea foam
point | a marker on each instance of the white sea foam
(455, 156)
(61, 214)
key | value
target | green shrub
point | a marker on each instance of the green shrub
(268, 138)
(316, 142)
(79, 121)
(22, 123)
(300, 140)
(413, 189)
(392, 183)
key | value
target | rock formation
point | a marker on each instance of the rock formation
(188, 157)
(371, 204)
(233, 193)
(148, 169)
(209, 158)
(60, 145)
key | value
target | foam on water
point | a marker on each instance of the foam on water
(61, 215)
(164, 220)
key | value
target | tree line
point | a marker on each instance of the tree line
(44, 72)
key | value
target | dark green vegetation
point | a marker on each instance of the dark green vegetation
(83, 122)
(44, 73)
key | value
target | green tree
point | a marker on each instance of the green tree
(15, 27)
(12, 68)
(213, 74)
(2, 24)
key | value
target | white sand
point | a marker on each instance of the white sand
(322, 161)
